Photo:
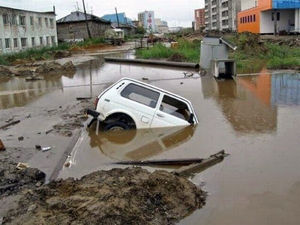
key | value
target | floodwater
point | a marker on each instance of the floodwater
(256, 119)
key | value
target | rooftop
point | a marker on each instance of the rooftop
(78, 16)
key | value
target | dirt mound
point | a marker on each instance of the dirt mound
(61, 54)
(13, 180)
(5, 72)
(55, 68)
(118, 196)
(177, 57)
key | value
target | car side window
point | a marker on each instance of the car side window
(141, 95)
(175, 107)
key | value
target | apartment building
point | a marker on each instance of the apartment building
(221, 15)
(22, 29)
(147, 21)
(199, 19)
(269, 16)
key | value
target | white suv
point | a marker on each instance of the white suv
(131, 104)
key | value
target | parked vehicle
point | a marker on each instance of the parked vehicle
(132, 104)
(115, 36)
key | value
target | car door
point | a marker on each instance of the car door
(140, 101)
(171, 111)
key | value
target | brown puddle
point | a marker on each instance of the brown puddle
(254, 118)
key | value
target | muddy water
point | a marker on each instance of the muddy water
(256, 119)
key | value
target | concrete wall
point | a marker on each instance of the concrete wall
(287, 17)
(248, 4)
(13, 32)
(78, 30)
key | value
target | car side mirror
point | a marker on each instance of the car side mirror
(191, 119)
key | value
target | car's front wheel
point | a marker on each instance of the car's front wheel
(116, 126)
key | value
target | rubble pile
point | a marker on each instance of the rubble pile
(54, 67)
(118, 196)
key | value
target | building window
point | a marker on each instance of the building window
(53, 40)
(278, 16)
(22, 20)
(47, 41)
(1, 47)
(51, 23)
(250, 18)
(224, 22)
(14, 20)
(31, 20)
(254, 18)
(33, 41)
(40, 22)
(7, 43)
(5, 19)
(41, 41)
(46, 22)
(15, 42)
(23, 42)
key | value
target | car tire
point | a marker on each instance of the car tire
(116, 126)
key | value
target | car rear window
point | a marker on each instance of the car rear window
(175, 107)
(141, 95)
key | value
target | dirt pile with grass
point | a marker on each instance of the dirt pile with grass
(118, 196)
(254, 54)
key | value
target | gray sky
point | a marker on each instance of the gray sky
(176, 12)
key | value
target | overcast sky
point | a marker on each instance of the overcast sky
(176, 12)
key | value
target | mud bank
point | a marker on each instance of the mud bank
(118, 196)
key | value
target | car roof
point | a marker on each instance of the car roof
(155, 88)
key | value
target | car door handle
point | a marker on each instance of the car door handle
(160, 115)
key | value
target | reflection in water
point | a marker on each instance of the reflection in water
(245, 105)
(139, 144)
(18, 92)
(286, 89)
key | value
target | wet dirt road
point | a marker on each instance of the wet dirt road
(256, 119)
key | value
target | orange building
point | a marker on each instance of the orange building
(269, 16)
(199, 19)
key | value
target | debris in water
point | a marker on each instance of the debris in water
(10, 124)
(145, 78)
(45, 149)
(21, 138)
(2, 147)
(49, 131)
(83, 98)
(22, 166)
(38, 147)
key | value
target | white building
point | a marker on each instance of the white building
(22, 29)
(147, 20)
(161, 26)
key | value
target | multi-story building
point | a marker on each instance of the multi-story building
(161, 26)
(22, 29)
(221, 15)
(199, 19)
(147, 21)
(269, 16)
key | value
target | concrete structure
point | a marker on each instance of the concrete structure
(73, 27)
(214, 57)
(147, 21)
(199, 19)
(161, 26)
(269, 16)
(221, 15)
(22, 29)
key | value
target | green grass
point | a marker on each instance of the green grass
(188, 51)
(45, 52)
(252, 56)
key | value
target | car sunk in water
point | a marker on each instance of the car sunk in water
(132, 104)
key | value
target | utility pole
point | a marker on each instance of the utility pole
(117, 17)
(86, 22)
